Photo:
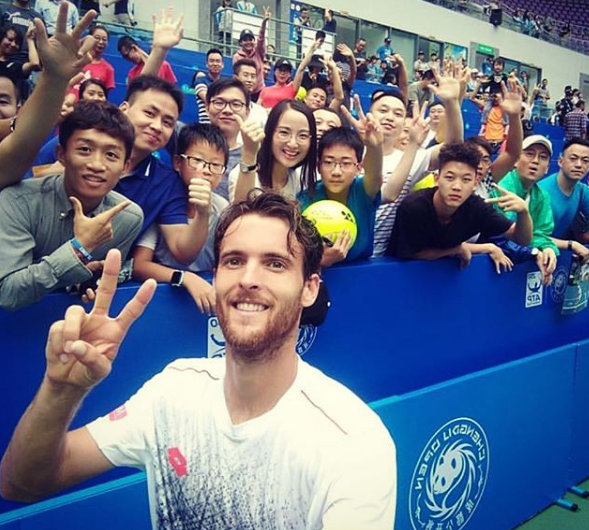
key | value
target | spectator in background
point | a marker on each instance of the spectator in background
(99, 67)
(302, 21)
(420, 92)
(361, 60)
(420, 66)
(565, 105)
(344, 59)
(524, 80)
(10, 44)
(284, 87)
(325, 120)
(438, 222)
(374, 73)
(224, 22)
(122, 13)
(19, 14)
(575, 122)
(434, 62)
(250, 48)
(329, 22)
(93, 90)
(201, 161)
(531, 167)
(540, 97)
(202, 81)
(385, 51)
(49, 10)
(244, 70)
(565, 31)
(569, 198)
(130, 50)
(247, 7)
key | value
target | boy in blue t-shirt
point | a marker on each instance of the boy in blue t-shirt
(340, 164)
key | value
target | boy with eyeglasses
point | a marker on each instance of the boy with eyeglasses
(340, 165)
(201, 159)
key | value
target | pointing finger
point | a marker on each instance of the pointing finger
(78, 210)
(115, 210)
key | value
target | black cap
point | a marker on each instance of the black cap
(246, 34)
(387, 39)
(316, 62)
(420, 52)
(282, 63)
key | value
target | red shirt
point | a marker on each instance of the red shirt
(272, 95)
(102, 70)
(165, 72)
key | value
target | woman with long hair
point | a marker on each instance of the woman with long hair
(11, 41)
(282, 157)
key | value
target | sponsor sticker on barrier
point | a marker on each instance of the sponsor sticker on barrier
(450, 476)
(534, 289)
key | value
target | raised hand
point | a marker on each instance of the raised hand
(252, 133)
(448, 88)
(267, 13)
(64, 54)
(167, 31)
(345, 50)
(419, 124)
(508, 201)
(92, 232)
(81, 348)
(511, 100)
(200, 194)
(367, 126)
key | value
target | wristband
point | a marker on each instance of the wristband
(569, 245)
(80, 250)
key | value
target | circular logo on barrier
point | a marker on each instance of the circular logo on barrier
(559, 284)
(450, 476)
(216, 340)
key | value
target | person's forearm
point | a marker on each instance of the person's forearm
(155, 60)
(436, 253)
(192, 239)
(144, 269)
(515, 137)
(393, 186)
(373, 169)
(34, 124)
(524, 228)
(402, 81)
(245, 181)
(480, 248)
(454, 124)
(27, 284)
(338, 88)
(31, 465)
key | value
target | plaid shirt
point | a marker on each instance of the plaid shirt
(575, 124)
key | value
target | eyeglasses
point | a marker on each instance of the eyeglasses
(235, 105)
(198, 163)
(532, 155)
(284, 135)
(331, 165)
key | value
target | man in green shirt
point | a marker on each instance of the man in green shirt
(531, 166)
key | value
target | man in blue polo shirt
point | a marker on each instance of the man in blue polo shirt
(569, 198)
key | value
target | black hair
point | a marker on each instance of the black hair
(214, 50)
(377, 95)
(266, 157)
(194, 133)
(320, 87)
(102, 116)
(460, 152)
(341, 136)
(96, 27)
(92, 81)
(428, 74)
(243, 62)
(272, 205)
(143, 83)
(480, 141)
(574, 141)
(18, 36)
(126, 42)
(221, 85)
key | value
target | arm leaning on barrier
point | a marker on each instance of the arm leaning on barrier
(42, 457)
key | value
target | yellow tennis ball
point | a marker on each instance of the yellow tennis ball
(301, 94)
(330, 218)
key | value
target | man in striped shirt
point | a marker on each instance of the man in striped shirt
(575, 122)
(202, 81)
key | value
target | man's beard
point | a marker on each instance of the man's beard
(261, 345)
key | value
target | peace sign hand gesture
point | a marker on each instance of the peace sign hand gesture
(81, 348)
(92, 232)
(419, 124)
(368, 128)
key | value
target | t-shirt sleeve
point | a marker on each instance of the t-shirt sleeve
(149, 238)
(167, 73)
(491, 222)
(409, 234)
(584, 202)
(174, 211)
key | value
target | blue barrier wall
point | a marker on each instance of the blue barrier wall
(393, 328)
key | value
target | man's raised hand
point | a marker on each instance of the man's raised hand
(167, 31)
(81, 348)
(64, 54)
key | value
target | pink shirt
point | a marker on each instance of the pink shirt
(103, 71)
(272, 95)
(165, 72)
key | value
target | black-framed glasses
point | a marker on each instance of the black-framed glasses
(235, 105)
(198, 163)
(332, 164)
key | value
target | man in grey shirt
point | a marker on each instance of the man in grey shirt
(56, 231)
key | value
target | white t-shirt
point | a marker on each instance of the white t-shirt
(386, 213)
(290, 190)
(321, 458)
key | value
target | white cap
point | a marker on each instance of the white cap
(537, 139)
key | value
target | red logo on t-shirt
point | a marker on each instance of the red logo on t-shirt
(118, 414)
(178, 461)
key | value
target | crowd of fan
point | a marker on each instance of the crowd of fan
(417, 188)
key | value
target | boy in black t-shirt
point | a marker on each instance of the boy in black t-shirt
(438, 222)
